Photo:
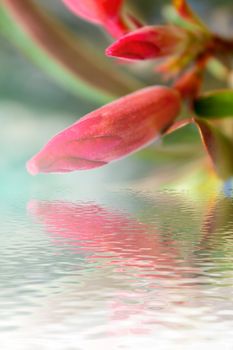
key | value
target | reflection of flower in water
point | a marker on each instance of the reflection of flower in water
(140, 268)
(104, 233)
(136, 279)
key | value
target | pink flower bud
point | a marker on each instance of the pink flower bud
(110, 132)
(148, 42)
(103, 12)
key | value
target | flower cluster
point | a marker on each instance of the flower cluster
(185, 46)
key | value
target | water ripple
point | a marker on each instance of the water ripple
(84, 275)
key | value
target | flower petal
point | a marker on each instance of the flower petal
(95, 10)
(103, 12)
(148, 42)
(87, 9)
(110, 133)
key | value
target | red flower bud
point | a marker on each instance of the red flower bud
(148, 42)
(103, 12)
(110, 132)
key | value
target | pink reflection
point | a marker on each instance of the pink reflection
(135, 249)
(90, 227)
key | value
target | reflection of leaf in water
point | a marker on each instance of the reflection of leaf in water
(217, 230)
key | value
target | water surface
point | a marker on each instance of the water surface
(129, 270)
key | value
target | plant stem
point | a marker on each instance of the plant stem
(222, 45)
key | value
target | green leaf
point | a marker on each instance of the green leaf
(219, 148)
(216, 104)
